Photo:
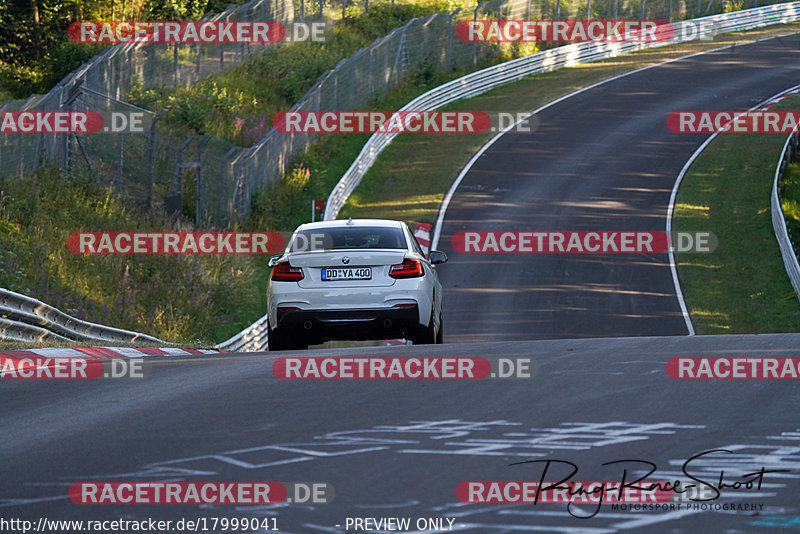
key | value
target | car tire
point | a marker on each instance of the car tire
(277, 340)
(427, 334)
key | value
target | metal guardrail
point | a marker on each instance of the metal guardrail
(484, 80)
(251, 339)
(27, 319)
(778, 220)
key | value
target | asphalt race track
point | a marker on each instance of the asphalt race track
(601, 160)
(399, 448)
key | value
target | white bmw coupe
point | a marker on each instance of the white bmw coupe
(353, 280)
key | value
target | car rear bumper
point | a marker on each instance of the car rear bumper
(350, 324)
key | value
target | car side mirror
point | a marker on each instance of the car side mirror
(437, 256)
(273, 260)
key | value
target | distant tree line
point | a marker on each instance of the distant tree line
(35, 52)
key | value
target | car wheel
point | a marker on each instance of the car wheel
(440, 333)
(427, 334)
(277, 340)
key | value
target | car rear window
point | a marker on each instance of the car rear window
(350, 237)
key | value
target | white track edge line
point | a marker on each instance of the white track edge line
(671, 208)
(679, 293)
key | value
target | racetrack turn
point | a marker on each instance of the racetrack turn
(602, 159)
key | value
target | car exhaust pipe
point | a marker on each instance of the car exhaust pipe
(307, 325)
(387, 323)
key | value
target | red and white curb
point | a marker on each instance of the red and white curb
(422, 232)
(105, 352)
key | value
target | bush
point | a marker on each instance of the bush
(179, 298)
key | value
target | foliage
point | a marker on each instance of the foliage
(239, 104)
(174, 297)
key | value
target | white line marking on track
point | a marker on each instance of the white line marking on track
(449, 196)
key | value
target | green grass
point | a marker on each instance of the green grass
(238, 104)
(742, 286)
(790, 202)
(178, 298)
(409, 178)
(283, 207)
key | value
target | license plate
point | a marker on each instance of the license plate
(348, 273)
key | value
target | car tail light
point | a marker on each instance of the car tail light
(284, 272)
(408, 269)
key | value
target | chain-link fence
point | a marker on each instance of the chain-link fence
(213, 181)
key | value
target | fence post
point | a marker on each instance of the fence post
(175, 62)
(198, 202)
(151, 165)
(588, 8)
(20, 155)
(642, 8)
(558, 9)
(475, 44)
(321, 6)
(670, 11)
(616, 8)
(449, 58)
(119, 161)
